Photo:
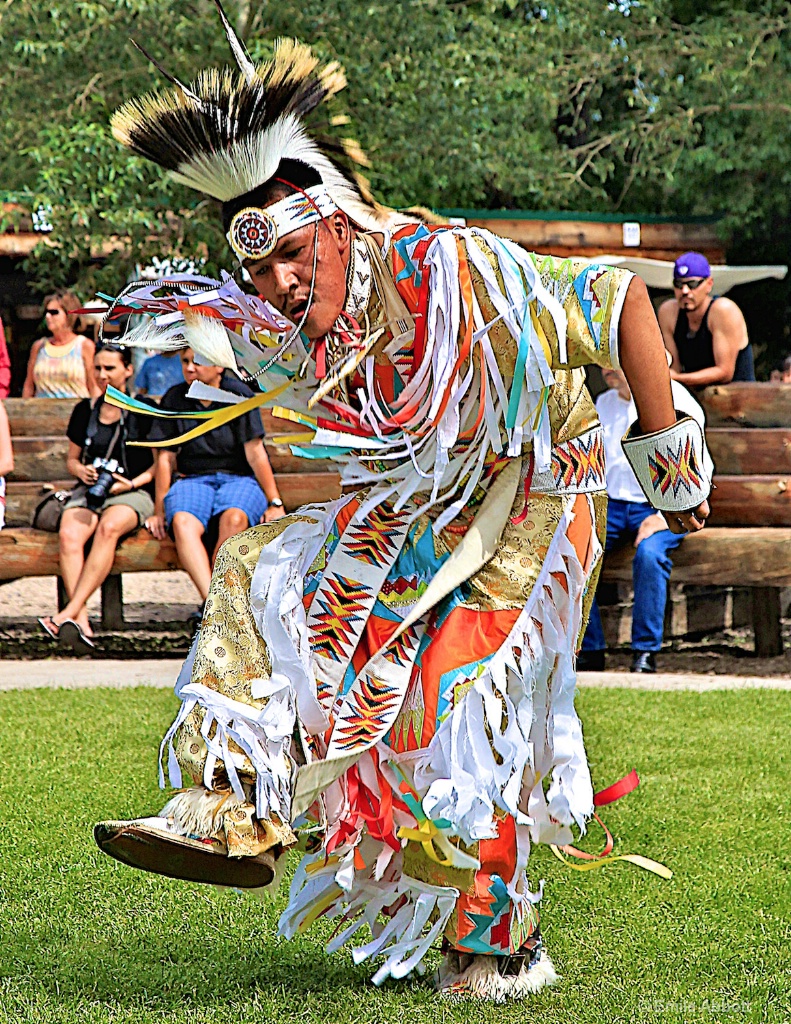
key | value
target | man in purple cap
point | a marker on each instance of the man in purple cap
(705, 334)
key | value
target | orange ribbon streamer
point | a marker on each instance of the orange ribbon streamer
(609, 795)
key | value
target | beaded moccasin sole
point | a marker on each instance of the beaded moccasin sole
(146, 843)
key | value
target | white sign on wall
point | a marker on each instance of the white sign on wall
(631, 233)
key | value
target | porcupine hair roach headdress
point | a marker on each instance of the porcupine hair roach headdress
(228, 133)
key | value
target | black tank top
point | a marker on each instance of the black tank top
(696, 351)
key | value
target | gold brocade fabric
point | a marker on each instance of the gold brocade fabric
(571, 409)
(231, 652)
(246, 835)
(507, 580)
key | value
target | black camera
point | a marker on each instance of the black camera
(96, 494)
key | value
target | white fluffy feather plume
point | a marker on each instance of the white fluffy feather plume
(208, 339)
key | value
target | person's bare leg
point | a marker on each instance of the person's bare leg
(77, 526)
(188, 532)
(232, 521)
(114, 523)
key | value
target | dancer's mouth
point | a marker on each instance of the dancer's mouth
(297, 311)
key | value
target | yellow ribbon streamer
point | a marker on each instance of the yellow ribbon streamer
(539, 329)
(218, 419)
(318, 909)
(289, 438)
(633, 858)
(425, 834)
(281, 413)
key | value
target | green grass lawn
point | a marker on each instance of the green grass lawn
(85, 939)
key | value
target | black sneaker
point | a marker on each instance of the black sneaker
(590, 661)
(643, 661)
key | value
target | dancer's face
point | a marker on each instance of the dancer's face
(284, 277)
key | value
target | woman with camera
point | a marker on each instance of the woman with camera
(111, 500)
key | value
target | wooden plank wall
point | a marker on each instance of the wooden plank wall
(596, 238)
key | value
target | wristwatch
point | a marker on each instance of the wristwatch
(277, 502)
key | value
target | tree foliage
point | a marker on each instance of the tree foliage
(676, 107)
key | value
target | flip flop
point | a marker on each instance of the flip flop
(141, 844)
(70, 635)
(43, 620)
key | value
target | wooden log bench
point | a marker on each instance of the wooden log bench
(38, 428)
(748, 542)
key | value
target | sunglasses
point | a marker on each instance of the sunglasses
(693, 283)
(52, 312)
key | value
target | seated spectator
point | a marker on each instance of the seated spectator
(631, 518)
(61, 366)
(6, 459)
(223, 474)
(113, 497)
(785, 371)
(705, 334)
(5, 365)
(158, 374)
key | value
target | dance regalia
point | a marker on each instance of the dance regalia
(428, 746)
(392, 673)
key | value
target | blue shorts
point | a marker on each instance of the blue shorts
(214, 493)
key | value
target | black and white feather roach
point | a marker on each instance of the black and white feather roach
(227, 132)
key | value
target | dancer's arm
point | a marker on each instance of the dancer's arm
(643, 360)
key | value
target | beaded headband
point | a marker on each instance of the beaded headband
(254, 232)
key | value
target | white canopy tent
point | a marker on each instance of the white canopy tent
(659, 273)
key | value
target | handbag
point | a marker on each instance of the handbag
(46, 515)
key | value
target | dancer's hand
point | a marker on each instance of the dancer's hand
(688, 522)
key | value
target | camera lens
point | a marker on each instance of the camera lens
(96, 495)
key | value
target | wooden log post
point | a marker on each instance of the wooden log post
(720, 556)
(766, 622)
(113, 602)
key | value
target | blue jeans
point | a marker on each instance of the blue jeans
(650, 572)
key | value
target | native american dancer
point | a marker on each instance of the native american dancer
(392, 674)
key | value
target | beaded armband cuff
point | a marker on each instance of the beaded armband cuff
(669, 465)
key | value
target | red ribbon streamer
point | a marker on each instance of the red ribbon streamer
(617, 789)
(321, 359)
(606, 796)
(516, 520)
(582, 855)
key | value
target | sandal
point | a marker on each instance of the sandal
(47, 624)
(71, 635)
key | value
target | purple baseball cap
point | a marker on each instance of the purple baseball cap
(691, 264)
